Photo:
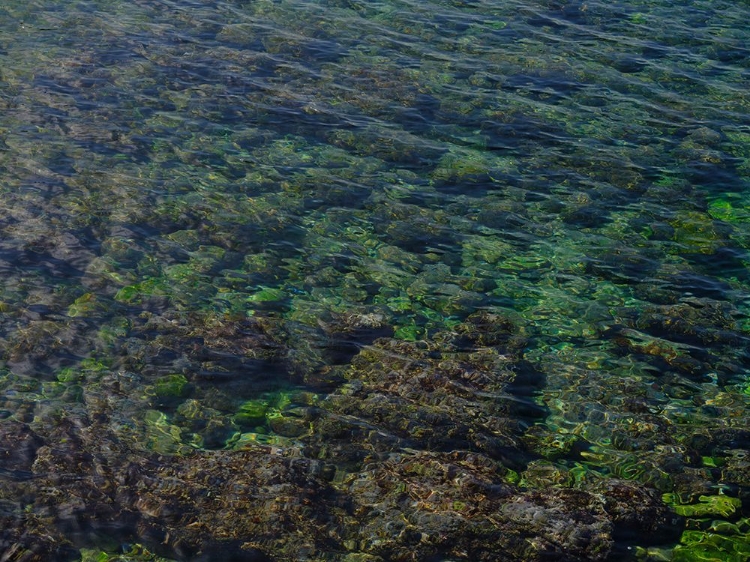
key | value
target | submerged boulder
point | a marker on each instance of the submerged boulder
(416, 456)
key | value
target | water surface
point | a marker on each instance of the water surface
(345, 280)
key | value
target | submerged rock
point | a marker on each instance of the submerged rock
(267, 503)
(415, 457)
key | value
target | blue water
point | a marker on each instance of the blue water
(329, 261)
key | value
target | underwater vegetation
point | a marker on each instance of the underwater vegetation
(374, 281)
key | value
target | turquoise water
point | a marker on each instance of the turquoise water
(342, 280)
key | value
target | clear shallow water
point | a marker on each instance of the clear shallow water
(461, 280)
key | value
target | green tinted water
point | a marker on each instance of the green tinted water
(375, 237)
